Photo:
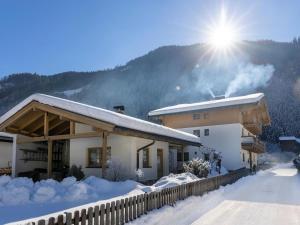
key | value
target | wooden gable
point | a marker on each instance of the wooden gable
(41, 120)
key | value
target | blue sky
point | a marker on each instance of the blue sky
(52, 36)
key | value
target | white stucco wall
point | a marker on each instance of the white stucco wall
(123, 150)
(194, 152)
(151, 173)
(225, 139)
(6, 154)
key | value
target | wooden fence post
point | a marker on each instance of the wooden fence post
(83, 216)
(76, 218)
(107, 214)
(112, 213)
(122, 220)
(60, 220)
(41, 222)
(102, 214)
(68, 218)
(117, 212)
(134, 204)
(130, 208)
(126, 210)
(146, 203)
(90, 216)
(97, 214)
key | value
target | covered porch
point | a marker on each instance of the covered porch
(43, 139)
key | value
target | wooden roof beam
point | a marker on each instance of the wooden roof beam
(30, 120)
(75, 117)
(56, 124)
(18, 131)
(40, 124)
(61, 128)
(17, 115)
(21, 140)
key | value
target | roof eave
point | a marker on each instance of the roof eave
(152, 136)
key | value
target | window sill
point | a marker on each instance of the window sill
(147, 167)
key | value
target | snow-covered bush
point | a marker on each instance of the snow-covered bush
(116, 171)
(139, 174)
(197, 166)
(77, 172)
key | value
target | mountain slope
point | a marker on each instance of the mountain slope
(177, 74)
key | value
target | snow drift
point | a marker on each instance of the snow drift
(49, 196)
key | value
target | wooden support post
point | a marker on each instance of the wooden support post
(104, 155)
(72, 127)
(49, 168)
(46, 124)
(250, 160)
(182, 156)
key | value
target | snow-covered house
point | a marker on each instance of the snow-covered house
(289, 144)
(229, 125)
(53, 134)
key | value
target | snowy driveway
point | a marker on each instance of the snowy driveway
(270, 197)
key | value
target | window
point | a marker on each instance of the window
(179, 156)
(196, 132)
(243, 157)
(186, 156)
(205, 115)
(206, 156)
(146, 158)
(196, 116)
(93, 159)
(206, 132)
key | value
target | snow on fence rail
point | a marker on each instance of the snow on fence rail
(128, 209)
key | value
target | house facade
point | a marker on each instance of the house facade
(52, 134)
(289, 144)
(231, 126)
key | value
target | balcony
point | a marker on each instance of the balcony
(253, 144)
(254, 128)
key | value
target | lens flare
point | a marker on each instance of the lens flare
(224, 34)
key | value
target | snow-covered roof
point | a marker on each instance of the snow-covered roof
(289, 138)
(103, 115)
(231, 101)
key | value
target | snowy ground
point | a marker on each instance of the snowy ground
(36, 199)
(273, 156)
(270, 197)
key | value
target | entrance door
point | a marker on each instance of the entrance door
(160, 163)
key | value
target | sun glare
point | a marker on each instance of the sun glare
(224, 34)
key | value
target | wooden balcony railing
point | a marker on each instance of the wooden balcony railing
(253, 144)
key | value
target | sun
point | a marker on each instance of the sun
(223, 35)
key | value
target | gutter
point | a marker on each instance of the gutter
(140, 149)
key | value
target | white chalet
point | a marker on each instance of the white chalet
(229, 125)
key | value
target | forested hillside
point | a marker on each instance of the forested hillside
(180, 74)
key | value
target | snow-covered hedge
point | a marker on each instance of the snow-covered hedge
(23, 190)
(197, 166)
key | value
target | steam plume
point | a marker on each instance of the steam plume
(231, 76)
(249, 77)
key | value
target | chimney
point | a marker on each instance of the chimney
(119, 109)
(218, 97)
